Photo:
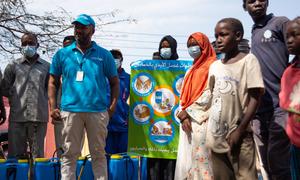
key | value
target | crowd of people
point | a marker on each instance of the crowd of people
(237, 108)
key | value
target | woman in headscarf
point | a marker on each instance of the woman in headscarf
(193, 157)
(168, 48)
(158, 168)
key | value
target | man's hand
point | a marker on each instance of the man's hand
(114, 94)
(110, 112)
(55, 114)
(235, 139)
(2, 116)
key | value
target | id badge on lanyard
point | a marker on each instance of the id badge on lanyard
(80, 73)
(79, 76)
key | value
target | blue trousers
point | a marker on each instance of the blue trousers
(116, 142)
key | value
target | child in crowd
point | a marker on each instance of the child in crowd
(268, 45)
(236, 85)
(290, 95)
(193, 157)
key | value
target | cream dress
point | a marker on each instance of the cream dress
(193, 162)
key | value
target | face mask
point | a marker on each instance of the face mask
(165, 53)
(220, 56)
(194, 51)
(118, 63)
(29, 51)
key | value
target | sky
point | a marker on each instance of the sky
(157, 18)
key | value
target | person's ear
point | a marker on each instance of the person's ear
(93, 30)
(239, 36)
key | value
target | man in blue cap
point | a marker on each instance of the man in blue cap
(84, 66)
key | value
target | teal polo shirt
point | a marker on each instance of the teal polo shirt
(87, 94)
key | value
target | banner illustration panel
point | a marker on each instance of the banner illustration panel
(154, 102)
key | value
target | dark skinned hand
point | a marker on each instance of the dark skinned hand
(235, 139)
(187, 126)
(110, 112)
(55, 114)
(182, 115)
(185, 121)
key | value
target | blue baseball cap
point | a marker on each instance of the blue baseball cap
(85, 20)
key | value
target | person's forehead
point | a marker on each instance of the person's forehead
(117, 55)
(28, 37)
(293, 25)
(224, 25)
(192, 39)
(249, 1)
(79, 25)
(165, 43)
(252, 1)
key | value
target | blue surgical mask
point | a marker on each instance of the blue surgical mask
(220, 56)
(165, 53)
(194, 51)
(118, 63)
(29, 51)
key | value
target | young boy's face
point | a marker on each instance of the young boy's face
(256, 8)
(226, 38)
(293, 38)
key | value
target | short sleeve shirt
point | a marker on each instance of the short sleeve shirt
(268, 45)
(95, 65)
(25, 84)
(229, 84)
(290, 101)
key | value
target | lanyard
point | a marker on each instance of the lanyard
(80, 62)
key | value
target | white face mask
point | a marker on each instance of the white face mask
(118, 63)
(194, 51)
(29, 51)
(165, 53)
